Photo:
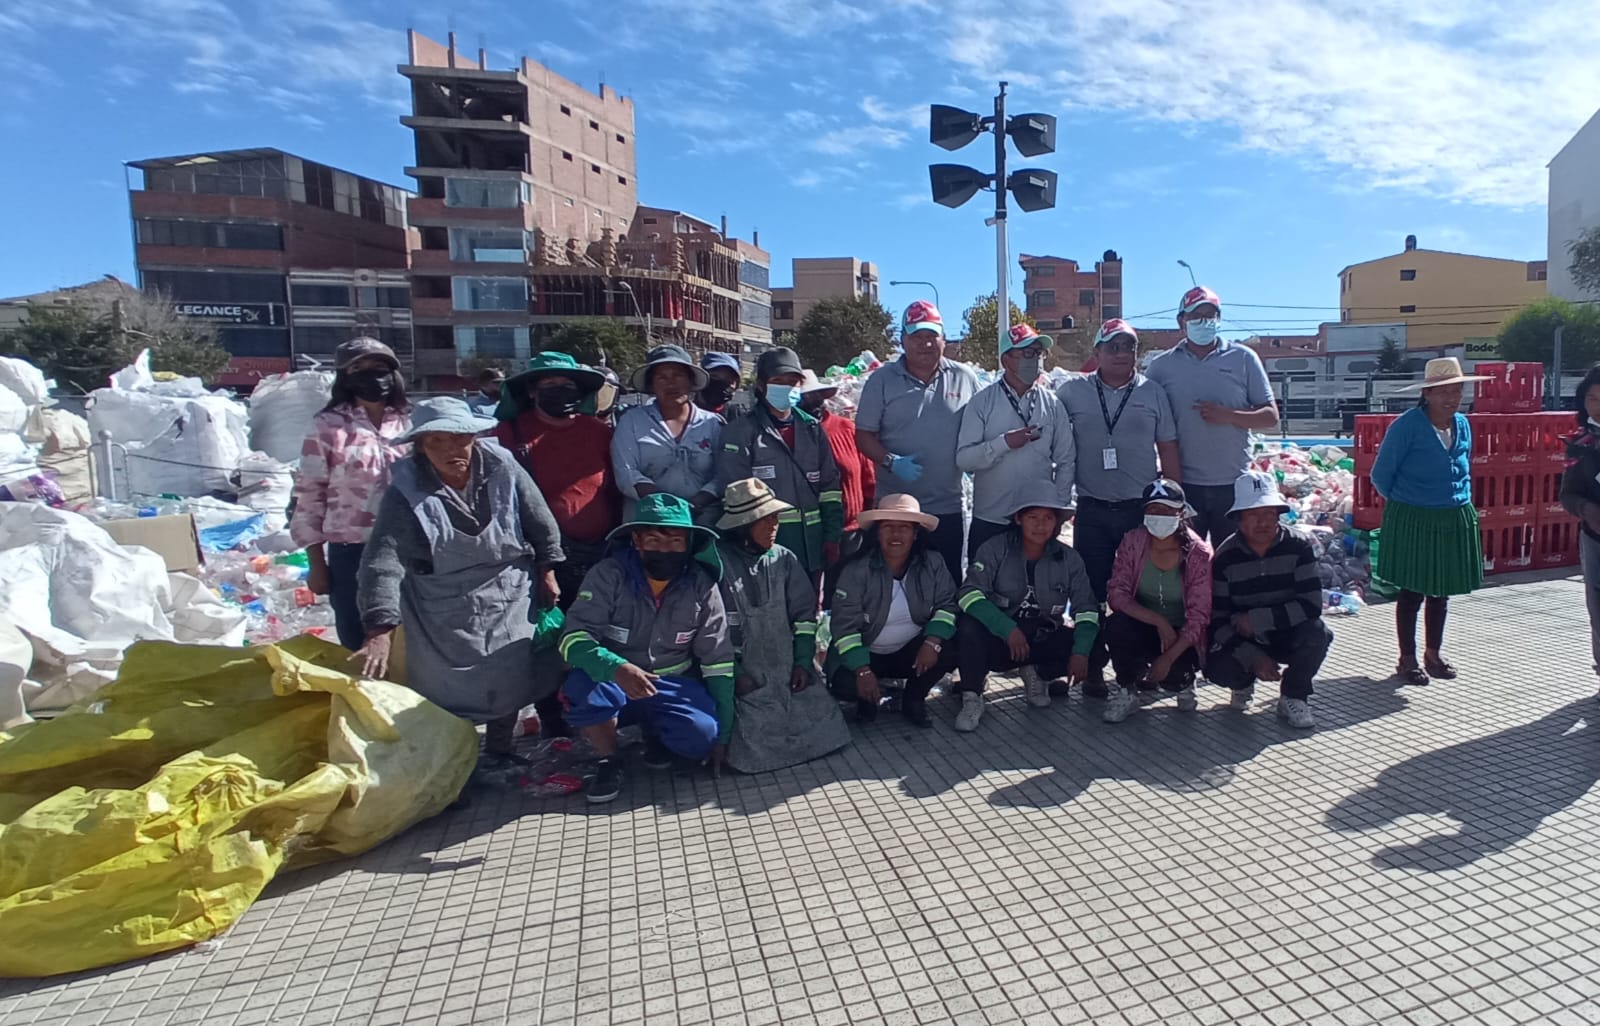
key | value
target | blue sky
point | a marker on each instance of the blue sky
(1267, 142)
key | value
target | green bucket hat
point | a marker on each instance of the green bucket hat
(660, 509)
(553, 362)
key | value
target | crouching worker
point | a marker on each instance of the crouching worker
(1020, 588)
(1160, 599)
(782, 714)
(461, 541)
(893, 612)
(1266, 604)
(647, 640)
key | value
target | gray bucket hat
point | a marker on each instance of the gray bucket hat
(668, 354)
(1039, 494)
(448, 415)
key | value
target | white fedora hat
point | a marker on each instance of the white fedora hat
(1446, 370)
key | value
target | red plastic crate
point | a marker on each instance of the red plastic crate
(1547, 492)
(1505, 495)
(1370, 429)
(1506, 547)
(1555, 543)
(1366, 509)
(1519, 439)
(1511, 388)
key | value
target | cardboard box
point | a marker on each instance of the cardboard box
(173, 538)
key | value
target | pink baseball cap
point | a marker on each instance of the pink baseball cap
(922, 316)
(1197, 297)
(1114, 327)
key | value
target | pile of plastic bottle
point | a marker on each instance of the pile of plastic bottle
(1319, 485)
(271, 590)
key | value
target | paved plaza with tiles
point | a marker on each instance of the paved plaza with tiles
(1428, 855)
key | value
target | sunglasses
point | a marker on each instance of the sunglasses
(1119, 346)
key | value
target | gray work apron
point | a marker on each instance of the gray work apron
(774, 727)
(468, 635)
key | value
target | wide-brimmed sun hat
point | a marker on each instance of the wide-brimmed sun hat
(1039, 494)
(669, 354)
(747, 501)
(810, 383)
(1446, 370)
(903, 509)
(1256, 489)
(445, 415)
(551, 363)
(660, 509)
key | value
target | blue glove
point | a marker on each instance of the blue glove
(906, 468)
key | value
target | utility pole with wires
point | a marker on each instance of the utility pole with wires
(1033, 188)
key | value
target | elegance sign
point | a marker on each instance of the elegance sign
(264, 315)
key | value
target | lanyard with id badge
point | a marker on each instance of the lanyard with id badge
(1026, 418)
(1108, 455)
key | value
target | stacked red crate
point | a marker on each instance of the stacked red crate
(1511, 388)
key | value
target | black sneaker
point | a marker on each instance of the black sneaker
(656, 754)
(1091, 689)
(606, 783)
(866, 711)
(916, 713)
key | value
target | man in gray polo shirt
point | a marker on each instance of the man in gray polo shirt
(1121, 422)
(908, 422)
(1220, 393)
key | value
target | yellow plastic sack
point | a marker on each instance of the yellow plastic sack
(150, 817)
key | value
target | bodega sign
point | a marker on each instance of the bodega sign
(261, 315)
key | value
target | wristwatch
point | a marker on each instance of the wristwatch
(888, 460)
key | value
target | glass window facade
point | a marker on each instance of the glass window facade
(489, 245)
(485, 193)
(502, 341)
(281, 176)
(752, 273)
(160, 231)
(216, 286)
(755, 313)
(490, 293)
(320, 295)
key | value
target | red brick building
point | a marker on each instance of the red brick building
(1056, 290)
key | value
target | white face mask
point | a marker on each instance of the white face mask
(1202, 333)
(1161, 526)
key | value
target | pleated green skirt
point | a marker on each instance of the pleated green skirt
(1431, 551)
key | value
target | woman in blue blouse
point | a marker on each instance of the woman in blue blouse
(1431, 548)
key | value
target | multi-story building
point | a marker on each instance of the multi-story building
(1059, 293)
(755, 292)
(1442, 298)
(221, 233)
(819, 278)
(328, 307)
(1574, 205)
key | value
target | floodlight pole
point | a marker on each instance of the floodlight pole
(1002, 259)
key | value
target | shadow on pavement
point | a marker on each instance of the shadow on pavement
(1499, 788)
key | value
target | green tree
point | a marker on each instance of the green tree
(83, 342)
(835, 331)
(600, 341)
(1391, 358)
(1585, 260)
(981, 344)
(1529, 334)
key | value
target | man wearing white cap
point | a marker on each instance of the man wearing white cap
(1014, 432)
(908, 423)
(1220, 393)
(1266, 604)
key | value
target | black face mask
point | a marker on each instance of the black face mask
(813, 407)
(372, 385)
(559, 401)
(716, 394)
(663, 566)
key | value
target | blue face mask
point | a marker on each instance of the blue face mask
(1201, 333)
(782, 397)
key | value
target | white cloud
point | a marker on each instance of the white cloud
(842, 141)
(807, 180)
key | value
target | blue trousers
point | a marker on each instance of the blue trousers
(681, 712)
(344, 562)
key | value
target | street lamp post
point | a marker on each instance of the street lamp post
(1185, 265)
(638, 310)
(931, 285)
(1033, 188)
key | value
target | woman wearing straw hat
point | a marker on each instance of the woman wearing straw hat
(1431, 547)
(781, 718)
(462, 540)
(894, 612)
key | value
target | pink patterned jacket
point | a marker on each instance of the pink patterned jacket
(1123, 590)
(344, 470)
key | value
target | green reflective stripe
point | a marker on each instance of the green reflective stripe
(831, 497)
(813, 516)
(847, 642)
(730, 448)
(970, 599)
(1088, 617)
(943, 616)
(675, 667)
(717, 669)
(572, 639)
(789, 516)
(805, 627)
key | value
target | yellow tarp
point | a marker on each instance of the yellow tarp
(150, 817)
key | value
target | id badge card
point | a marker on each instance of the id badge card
(1108, 458)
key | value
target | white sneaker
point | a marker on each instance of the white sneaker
(971, 712)
(1242, 697)
(1035, 688)
(1296, 712)
(1118, 702)
(1186, 699)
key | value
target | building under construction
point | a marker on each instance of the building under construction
(527, 217)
